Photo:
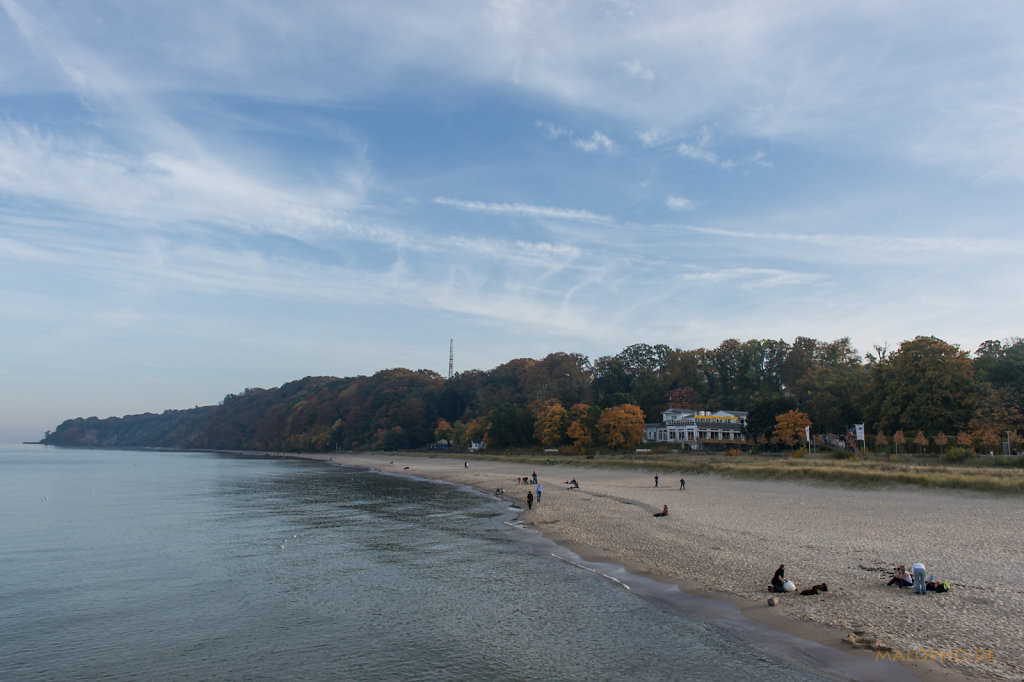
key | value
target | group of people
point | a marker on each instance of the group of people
(682, 482)
(780, 584)
(917, 577)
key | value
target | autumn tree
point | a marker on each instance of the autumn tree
(685, 398)
(921, 441)
(988, 438)
(881, 441)
(444, 430)
(582, 424)
(898, 439)
(476, 430)
(550, 424)
(621, 426)
(790, 427)
(941, 439)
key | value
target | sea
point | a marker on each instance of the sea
(145, 565)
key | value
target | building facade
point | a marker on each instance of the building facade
(697, 426)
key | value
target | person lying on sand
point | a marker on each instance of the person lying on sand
(573, 484)
(817, 589)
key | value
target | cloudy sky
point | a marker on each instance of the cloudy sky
(198, 197)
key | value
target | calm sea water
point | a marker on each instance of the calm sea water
(144, 565)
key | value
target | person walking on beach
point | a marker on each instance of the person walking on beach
(655, 480)
(529, 500)
(534, 476)
(682, 484)
(540, 489)
(918, 571)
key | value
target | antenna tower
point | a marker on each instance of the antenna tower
(451, 357)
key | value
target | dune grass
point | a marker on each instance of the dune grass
(866, 473)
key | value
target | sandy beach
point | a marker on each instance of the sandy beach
(725, 537)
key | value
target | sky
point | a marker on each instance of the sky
(200, 197)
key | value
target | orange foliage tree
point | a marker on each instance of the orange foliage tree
(790, 427)
(622, 426)
(444, 430)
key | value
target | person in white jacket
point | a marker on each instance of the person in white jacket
(918, 572)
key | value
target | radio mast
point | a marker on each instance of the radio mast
(451, 357)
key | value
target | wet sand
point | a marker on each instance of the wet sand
(724, 538)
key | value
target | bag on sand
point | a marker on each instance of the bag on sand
(788, 586)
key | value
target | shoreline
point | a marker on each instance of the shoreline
(724, 537)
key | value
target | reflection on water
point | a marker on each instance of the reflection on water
(195, 566)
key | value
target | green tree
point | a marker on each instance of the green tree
(509, 425)
(762, 413)
(927, 384)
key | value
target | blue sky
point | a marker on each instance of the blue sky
(200, 197)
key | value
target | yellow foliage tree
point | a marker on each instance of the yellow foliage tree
(580, 428)
(622, 426)
(549, 426)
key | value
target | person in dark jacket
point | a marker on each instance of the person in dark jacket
(779, 578)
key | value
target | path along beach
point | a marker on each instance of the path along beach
(724, 538)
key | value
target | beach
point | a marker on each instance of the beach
(724, 538)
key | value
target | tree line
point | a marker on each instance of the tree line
(925, 388)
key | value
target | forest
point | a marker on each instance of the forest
(924, 394)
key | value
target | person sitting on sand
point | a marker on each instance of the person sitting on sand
(901, 578)
(778, 579)
(573, 484)
(663, 512)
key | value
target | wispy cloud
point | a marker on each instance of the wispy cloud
(679, 203)
(637, 70)
(700, 151)
(886, 243)
(752, 278)
(525, 210)
(597, 142)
